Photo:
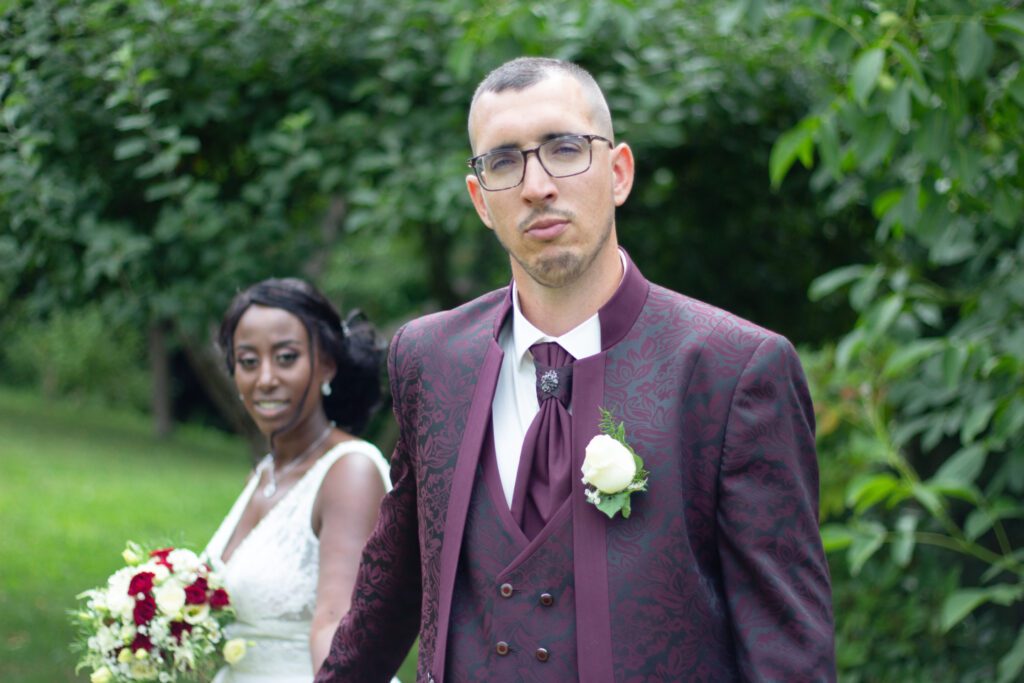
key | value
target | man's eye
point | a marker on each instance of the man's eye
(565, 148)
(497, 163)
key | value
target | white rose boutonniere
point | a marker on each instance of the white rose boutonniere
(612, 471)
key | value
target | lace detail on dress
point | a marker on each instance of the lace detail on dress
(273, 572)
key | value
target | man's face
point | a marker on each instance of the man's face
(554, 229)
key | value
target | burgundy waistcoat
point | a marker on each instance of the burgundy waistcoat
(513, 612)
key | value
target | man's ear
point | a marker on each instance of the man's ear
(476, 193)
(622, 173)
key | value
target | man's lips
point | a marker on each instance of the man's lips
(547, 228)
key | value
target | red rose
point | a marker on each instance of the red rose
(161, 557)
(179, 628)
(196, 593)
(141, 641)
(219, 599)
(141, 583)
(144, 610)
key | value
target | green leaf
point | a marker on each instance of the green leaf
(973, 50)
(729, 15)
(882, 315)
(909, 62)
(1012, 663)
(833, 280)
(828, 146)
(954, 358)
(927, 496)
(898, 109)
(836, 537)
(959, 604)
(862, 293)
(796, 143)
(869, 491)
(964, 466)
(977, 420)
(611, 504)
(1015, 22)
(951, 489)
(909, 356)
(978, 522)
(865, 544)
(131, 147)
(962, 602)
(864, 76)
(134, 122)
(903, 545)
(885, 201)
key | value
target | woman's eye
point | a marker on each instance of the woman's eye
(287, 358)
(247, 363)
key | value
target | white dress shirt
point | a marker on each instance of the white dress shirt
(515, 397)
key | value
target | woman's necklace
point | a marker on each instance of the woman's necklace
(271, 488)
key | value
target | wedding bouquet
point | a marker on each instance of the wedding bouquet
(160, 617)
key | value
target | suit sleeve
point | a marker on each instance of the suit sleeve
(373, 638)
(774, 570)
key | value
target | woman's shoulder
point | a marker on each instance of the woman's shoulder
(354, 461)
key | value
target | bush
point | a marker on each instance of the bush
(78, 353)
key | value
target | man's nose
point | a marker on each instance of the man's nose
(538, 185)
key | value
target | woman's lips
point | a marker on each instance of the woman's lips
(269, 409)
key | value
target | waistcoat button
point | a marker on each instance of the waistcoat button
(501, 648)
(506, 590)
(547, 599)
(542, 654)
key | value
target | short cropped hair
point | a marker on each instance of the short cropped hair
(524, 72)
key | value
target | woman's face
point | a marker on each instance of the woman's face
(273, 371)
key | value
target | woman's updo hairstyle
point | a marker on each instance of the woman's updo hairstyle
(353, 344)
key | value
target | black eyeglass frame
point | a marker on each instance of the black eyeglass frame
(589, 137)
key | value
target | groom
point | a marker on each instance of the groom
(488, 547)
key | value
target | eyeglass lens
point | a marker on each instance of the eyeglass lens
(560, 157)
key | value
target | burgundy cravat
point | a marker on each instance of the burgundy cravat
(546, 460)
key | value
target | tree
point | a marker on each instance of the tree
(920, 120)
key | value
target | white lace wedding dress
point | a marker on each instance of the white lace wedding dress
(271, 577)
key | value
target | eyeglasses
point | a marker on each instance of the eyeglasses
(560, 157)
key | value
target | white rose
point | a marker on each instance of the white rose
(100, 675)
(170, 598)
(117, 599)
(183, 560)
(195, 614)
(143, 670)
(234, 650)
(608, 466)
(105, 639)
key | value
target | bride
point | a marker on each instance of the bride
(290, 547)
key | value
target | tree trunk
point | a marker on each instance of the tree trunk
(160, 372)
(208, 366)
(437, 250)
(330, 228)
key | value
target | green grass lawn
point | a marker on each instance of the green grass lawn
(76, 482)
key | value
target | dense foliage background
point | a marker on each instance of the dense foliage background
(846, 172)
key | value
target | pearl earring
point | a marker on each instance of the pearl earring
(325, 388)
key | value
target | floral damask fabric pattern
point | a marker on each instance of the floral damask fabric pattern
(717, 575)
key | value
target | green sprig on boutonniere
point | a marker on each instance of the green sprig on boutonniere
(612, 471)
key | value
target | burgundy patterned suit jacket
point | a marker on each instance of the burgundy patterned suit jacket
(718, 574)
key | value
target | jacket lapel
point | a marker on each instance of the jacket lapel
(590, 525)
(462, 484)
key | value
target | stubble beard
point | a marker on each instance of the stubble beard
(565, 266)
